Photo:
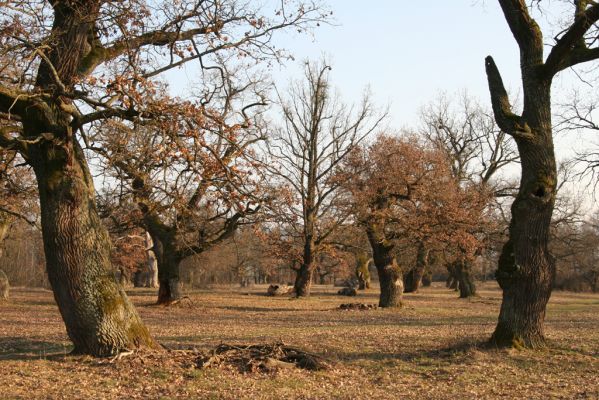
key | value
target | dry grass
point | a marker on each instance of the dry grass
(432, 348)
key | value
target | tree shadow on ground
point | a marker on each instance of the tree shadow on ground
(22, 348)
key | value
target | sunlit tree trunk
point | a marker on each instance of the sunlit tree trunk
(389, 272)
(99, 318)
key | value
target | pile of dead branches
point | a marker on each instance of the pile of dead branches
(261, 358)
(358, 307)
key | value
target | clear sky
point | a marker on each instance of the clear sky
(409, 51)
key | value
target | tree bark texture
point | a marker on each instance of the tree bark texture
(169, 289)
(526, 269)
(99, 318)
(467, 287)
(152, 264)
(303, 277)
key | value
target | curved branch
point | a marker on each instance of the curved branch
(506, 120)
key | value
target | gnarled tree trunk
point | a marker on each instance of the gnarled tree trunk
(99, 318)
(390, 277)
(152, 263)
(303, 278)
(169, 290)
(526, 269)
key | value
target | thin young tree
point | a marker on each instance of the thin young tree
(526, 268)
(318, 132)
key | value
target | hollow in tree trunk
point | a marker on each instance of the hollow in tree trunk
(526, 269)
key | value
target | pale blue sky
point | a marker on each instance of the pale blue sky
(408, 51)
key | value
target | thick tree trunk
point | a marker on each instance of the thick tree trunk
(389, 272)
(452, 281)
(526, 269)
(303, 277)
(466, 282)
(152, 264)
(169, 290)
(303, 280)
(413, 279)
(391, 284)
(99, 318)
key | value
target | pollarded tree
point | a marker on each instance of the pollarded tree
(526, 268)
(318, 133)
(75, 62)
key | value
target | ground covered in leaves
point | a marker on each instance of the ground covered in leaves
(432, 348)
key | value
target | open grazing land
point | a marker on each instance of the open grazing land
(433, 347)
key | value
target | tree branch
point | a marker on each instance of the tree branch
(506, 120)
(569, 50)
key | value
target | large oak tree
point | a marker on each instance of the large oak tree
(71, 63)
(526, 269)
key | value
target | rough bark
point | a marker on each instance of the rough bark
(169, 290)
(99, 318)
(452, 281)
(303, 280)
(526, 269)
(303, 277)
(152, 264)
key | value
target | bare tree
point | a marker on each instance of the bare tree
(526, 269)
(318, 133)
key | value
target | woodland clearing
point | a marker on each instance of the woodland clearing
(433, 347)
